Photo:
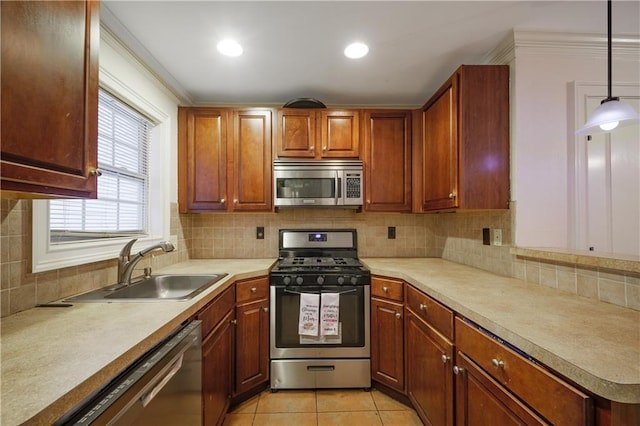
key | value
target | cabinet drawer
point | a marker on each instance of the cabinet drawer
(550, 396)
(211, 314)
(253, 289)
(438, 316)
(387, 288)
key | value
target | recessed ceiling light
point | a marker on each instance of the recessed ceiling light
(229, 47)
(356, 50)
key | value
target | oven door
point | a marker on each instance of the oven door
(354, 315)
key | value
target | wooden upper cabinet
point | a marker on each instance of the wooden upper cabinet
(465, 141)
(49, 98)
(310, 133)
(340, 133)
(202, 159)
(387, 160)
(251, 174)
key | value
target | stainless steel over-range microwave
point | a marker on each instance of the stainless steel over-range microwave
(318, 183)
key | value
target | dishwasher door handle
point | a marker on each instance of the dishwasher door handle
(146, 399)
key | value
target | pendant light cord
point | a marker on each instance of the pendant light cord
(609, 47)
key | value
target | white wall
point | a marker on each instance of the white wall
(542, 111)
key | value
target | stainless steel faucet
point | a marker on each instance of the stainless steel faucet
(126, 262)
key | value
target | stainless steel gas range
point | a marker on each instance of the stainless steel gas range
(319, 313)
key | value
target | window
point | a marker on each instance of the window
(121, 207)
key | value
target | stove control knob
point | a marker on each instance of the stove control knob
(320, 279)
(340, 280)
(354, 280)
(299, 280)
(286, 280)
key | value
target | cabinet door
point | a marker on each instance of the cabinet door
(387, 160)
(440, 149)
(50, 97)
(387, 343)
(430, 375)
(251, 176)
(202, 152)
(252, 345)
(296, 133)
(340, 133)
(480, 400)
(217, 364)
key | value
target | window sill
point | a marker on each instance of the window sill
(620, 262)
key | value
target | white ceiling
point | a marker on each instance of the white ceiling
(294, 49)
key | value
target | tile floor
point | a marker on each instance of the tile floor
(322, 408)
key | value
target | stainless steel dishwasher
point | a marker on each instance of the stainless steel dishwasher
(163, 387)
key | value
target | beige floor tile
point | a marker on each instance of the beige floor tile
(344, 400)
(400, 418)
(386, 403)
(355, 418)
(241, 419)
(248, 406)
(286, 419)
(286, 401)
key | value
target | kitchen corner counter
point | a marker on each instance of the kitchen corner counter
(594, 344)
(53, 358)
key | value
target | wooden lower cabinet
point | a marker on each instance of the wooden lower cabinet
(252, 345)
(387, 354)
(480, 400)
(252, 335)
(217, 365)
(493, 381)
(429, 371)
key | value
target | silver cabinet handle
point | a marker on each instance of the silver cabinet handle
(423, 307)
(222, 201)
(265, 309)
(95, 172)
(445, 358)
(398, 315)
(497, 363)
(452, 195)
(254, 289)
(457, 370)
(385, 289)
(234, 321)
(311, 148)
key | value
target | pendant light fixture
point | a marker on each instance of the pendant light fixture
(612, 113)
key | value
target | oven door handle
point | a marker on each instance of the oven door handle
(320, 292)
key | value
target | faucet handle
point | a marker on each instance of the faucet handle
(125, 253)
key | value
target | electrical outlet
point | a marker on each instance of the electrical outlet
(260, 232)
(486, 239)
(497, 237)
(391, 233)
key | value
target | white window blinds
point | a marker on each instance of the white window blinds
(121, 206)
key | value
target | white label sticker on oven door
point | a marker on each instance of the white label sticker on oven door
(323, 340)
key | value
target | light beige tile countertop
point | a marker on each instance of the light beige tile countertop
(594, 344)
(53, 358)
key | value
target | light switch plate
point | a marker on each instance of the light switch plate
(497, 237)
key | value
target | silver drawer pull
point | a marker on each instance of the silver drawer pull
(254, 289)
(385, 289)
(445, 358)
(423, 307)
(398, 315)
(265, 309)
(457, 370)
(497, 364)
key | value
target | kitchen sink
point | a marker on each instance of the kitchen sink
(157, 287)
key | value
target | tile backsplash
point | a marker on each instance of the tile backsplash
(453, 236)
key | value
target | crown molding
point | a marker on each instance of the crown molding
(624, 47)
(117, 36)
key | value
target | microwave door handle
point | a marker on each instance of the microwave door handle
(338, 188)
